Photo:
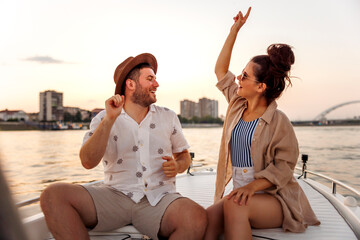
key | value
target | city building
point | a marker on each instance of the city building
(188, 109)
(51, 106)
(204, 108)
(34, 117)
(19, 115)
(85, 114)
(208, 108)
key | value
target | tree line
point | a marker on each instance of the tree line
(207, 119)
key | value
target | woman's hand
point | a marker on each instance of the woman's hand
(242, 195)
(240, 20)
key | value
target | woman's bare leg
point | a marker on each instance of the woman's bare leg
(263, 211)
(215, 215)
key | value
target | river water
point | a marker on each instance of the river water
(31, 160)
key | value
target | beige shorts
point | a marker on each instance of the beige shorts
(114, 210)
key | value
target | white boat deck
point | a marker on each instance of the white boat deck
(201, 187)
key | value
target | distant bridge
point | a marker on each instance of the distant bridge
(322, 115)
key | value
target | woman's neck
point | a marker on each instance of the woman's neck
(255, 109)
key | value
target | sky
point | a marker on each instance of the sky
(74, 46)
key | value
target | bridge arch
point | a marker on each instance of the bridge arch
(322, 115)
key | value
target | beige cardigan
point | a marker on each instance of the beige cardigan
(274, 151)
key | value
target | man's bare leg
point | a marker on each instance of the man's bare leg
(183, 219)
(68, 210)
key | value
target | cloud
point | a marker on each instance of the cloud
(44, 60)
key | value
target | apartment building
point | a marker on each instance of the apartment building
(51, 106)
(204, 108)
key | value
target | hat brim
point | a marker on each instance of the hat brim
(142, 58)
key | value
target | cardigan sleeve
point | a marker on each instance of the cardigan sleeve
(285, 151)
(228, 86)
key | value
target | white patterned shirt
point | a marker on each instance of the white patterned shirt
(133, 157)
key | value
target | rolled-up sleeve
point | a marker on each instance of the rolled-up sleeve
(178, 141)
(285, 151)
(228, 86)
(95, 122)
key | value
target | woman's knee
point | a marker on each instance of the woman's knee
(232, 209)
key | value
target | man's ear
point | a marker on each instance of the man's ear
(130, 84)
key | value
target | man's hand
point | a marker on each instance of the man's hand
(170, 167)
(114, 106)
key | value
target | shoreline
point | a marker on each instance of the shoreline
(25, 126)
(201, 125)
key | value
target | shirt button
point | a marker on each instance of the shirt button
(253, 139)
(245, 170)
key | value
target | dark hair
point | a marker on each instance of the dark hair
(274, 69)
(134, 74)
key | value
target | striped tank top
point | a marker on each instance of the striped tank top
(241, 138)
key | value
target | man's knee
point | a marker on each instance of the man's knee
(195, 218)
(52, 195)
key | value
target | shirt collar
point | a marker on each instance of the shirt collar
(269, 112)
(151, 109)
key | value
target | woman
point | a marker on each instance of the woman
(258, 148)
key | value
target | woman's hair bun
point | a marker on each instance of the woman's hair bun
(281, 56)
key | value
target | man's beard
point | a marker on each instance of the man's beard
(142, 97)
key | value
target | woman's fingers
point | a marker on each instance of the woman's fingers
(231, 194)
(243, 199)
(248, 199)
(240, 196)
(241, 15)
(247, 13)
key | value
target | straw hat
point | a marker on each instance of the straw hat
(126, 66)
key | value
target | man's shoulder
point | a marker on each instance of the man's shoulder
(162, 110)
(99, 116)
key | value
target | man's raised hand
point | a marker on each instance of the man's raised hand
(114, 106)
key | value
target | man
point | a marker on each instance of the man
(142, 148)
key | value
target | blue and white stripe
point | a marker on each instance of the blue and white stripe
(241, 139)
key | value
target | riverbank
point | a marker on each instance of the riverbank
(337, 122)
(19, 126)
(201, 125)
(15, 126)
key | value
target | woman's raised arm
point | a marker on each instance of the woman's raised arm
(223, 61)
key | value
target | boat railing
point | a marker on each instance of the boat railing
(334, 182)
(37, 199)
